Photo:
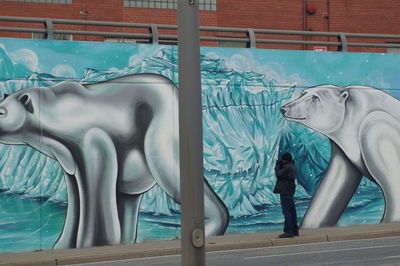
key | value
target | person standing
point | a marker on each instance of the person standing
(285, 171)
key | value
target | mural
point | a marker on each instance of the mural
(114, 141)
(363, 125)
(90, 141)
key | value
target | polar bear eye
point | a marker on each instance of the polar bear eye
(315, 98)
(3, 111)
(303, 93)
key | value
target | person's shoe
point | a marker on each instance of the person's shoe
(285, 235)
(295, 234)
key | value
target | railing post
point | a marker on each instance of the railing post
(343, 42)
(252, 36)
(154, 33)
(50, 29)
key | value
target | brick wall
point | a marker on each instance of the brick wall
(361, 16)
(102, 10)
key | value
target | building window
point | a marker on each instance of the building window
(209, 5)
(230, 44)
(60, 37)
(120, 40)
(41, 1)
(393, 50)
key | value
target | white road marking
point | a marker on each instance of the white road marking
(322, 251)
(306, 244)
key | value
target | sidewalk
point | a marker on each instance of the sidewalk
(169, 247)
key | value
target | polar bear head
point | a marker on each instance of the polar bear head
(13, 114)
(321, 108)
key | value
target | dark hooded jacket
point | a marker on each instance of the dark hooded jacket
(285, 173)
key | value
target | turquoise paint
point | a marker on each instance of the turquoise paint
(242, 92)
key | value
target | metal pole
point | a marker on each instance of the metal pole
(190, 135)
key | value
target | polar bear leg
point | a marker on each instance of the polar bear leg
(334, 193)
(215, 211)
(380, 148)
(134, 179)
(68, 236)
(128, 212)
(162, 155)
(97, 181)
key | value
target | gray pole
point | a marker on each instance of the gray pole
(190, 135)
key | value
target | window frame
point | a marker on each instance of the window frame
(204, 5)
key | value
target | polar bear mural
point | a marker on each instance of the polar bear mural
(114, 140)
(363, 125)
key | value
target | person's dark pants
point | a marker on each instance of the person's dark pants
(290, 214)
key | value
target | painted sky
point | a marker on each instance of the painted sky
(301, 68)
(310, 68)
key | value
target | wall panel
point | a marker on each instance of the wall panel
(100, 121)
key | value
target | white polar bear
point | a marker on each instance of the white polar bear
(114, 140)
(363, 124)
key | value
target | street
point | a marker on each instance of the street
(375, 251)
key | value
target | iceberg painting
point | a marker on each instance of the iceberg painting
(244, 132)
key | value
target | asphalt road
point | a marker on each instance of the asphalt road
(377, 251)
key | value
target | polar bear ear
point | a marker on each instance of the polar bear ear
(25, 99)
(344, 95)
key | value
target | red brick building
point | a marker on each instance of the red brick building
(356, 16)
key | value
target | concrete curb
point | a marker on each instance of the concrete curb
(216, 243)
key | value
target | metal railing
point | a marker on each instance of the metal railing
(251, 37)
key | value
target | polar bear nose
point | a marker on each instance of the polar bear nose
(284, 110)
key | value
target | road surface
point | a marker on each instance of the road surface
(363, 252)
